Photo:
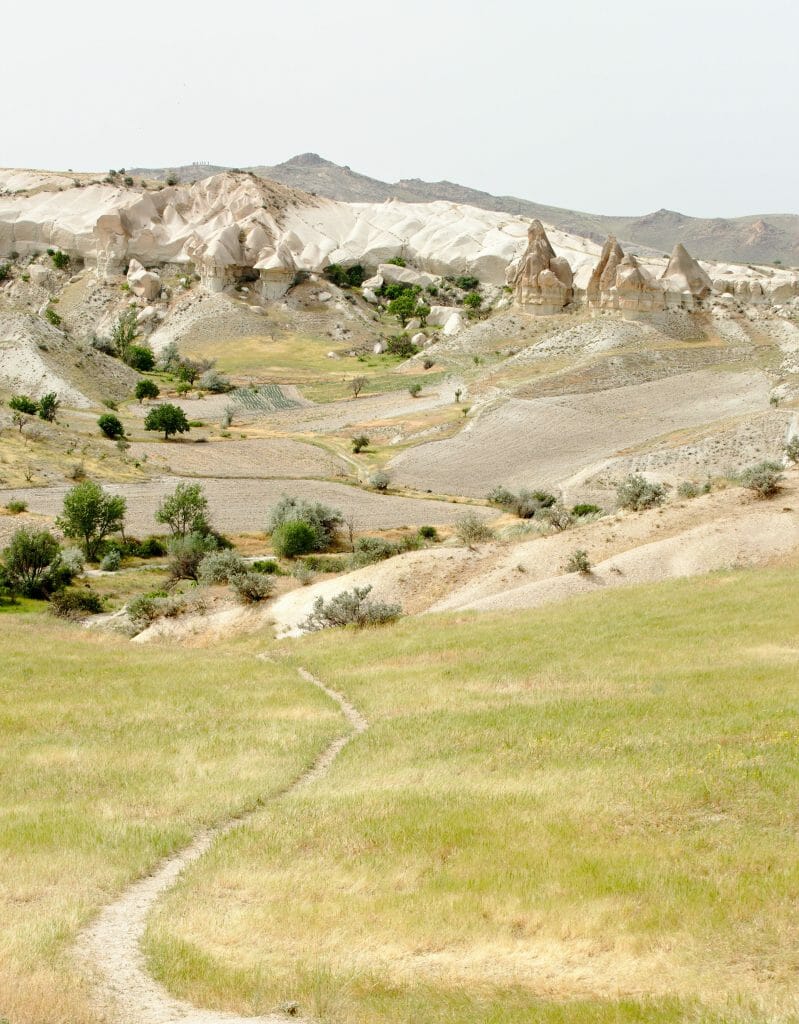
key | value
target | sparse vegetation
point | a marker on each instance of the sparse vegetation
(764, 478)
(52, 317)
(15, 506)
(637, 493)
(579, 562)
(471, 529)
(351, 608)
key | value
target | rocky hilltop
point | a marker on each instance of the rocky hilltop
(235, 228)
(759, 238)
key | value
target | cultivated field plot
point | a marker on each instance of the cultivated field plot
(544, 441)
(111, 757)
(255, 457)
(584, 815)
(242, 507)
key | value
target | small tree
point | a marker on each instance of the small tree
(140, 357)
(111, 426)
(357, 384)
(90, 515)
(168, 418)
(360, 442)
(169, 360)
(404, 307)
(22, 403)
(471, 530)
(185, 511)
(48, 406)
(29, 561)
(124, 332)
(323, 520)
(146, 388)
(380, 480)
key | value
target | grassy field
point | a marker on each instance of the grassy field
(582, 814)
(111, 757)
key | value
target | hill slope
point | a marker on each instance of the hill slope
(758, 238)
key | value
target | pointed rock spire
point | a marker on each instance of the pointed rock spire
(683, 274)
(544, 281)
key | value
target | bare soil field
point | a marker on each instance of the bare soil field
(546, 440)
(242, 507)
(254, 458)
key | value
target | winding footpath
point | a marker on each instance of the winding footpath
(110, 949)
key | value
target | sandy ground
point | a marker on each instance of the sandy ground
(544, 441)
(242, 507)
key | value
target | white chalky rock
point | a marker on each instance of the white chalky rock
(453, 325)
(143, 282)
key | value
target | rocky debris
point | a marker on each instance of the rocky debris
(144, 283)
(544, 282)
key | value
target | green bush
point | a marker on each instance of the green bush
(111, 560)
(111, 426)
(636, 493)
(471, 529)
(472, 300)
(294, 537)
(323, 520)
(22, 403)
(586, 509)
(526, 504)
(345, 277)
(60, 260)
(167, 418)
(428, 532)
(350, 608)
(397, 261)
(360, 442)
(325, 563)
(764, 478)
(400, 345)
(145, 610)
(467, 283)
(31, 563)
(146, 388)
(15, 506)
(369, 550)
(268, 566)
(140, 357)
(5, 271)
(186, 554)
(251, 587)
(212, 380)
(52, 317)
(415, 389)
(74, 603)
(379, 480)
(48, 406)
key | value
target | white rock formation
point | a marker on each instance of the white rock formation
(544, 282)
(143, 283)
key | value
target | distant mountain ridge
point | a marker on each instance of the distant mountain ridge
(759, 238)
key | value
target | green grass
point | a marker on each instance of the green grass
(586, 813)
(22, 605)
(113, 755)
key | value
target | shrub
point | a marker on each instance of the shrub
(166, 417)
(221, 567)
(325, 563)
(52, 317)
(146, 388)
(397, 261)
(72, 561)
(60, 260)
(585, 509)
(48, 406)
(73, 603)
(150, 547)
(428, 363)
(526, 504)
(16, 505)
(350, 608)
(688, 489)
(111, 426)
(268, 566)
(356, 385)
(112, 560)
(637, 493)
(404, 307)
(369, 550)
(471, 529)
(401, 345)
(428, 532)
(186, 554)
(792, 449)
(303, 573)
(556, 516)
(90, 515)
(252, 586)
(5, 271)
(360, 442)
(212, 380)
(185, 511)
(472, 300)
(145, 610)
(345, 277)
(578, 562)
(22, 403)
(763, 478)
(140, 357)
(323, 520)
(379, 480)
(415, 389)
(293, 538)
(467, 283)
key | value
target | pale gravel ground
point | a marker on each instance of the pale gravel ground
(546, 440)
(241, 506)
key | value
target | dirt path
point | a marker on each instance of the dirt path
(110, 949)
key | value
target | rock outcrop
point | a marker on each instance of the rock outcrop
(684, 281)
(143, 283)
(544, 281)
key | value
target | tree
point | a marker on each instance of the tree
(185, 511)
(111, 426)
(168, 418)
(29, 561)
(403, 307)
(359, 442)
(48, 406)
(294, 538)
(169, 360)
(90, 515)
(140, 357)
(357, 384)
(146, 388)
(124, 332)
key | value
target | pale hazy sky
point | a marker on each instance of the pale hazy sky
(617, 108)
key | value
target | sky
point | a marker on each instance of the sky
(615, 108)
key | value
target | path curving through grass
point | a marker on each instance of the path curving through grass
(110, 949)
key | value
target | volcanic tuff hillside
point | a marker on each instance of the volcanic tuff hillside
(759, 238)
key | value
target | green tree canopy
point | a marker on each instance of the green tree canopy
(90, 515)
(168, 418)
(185, 511)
